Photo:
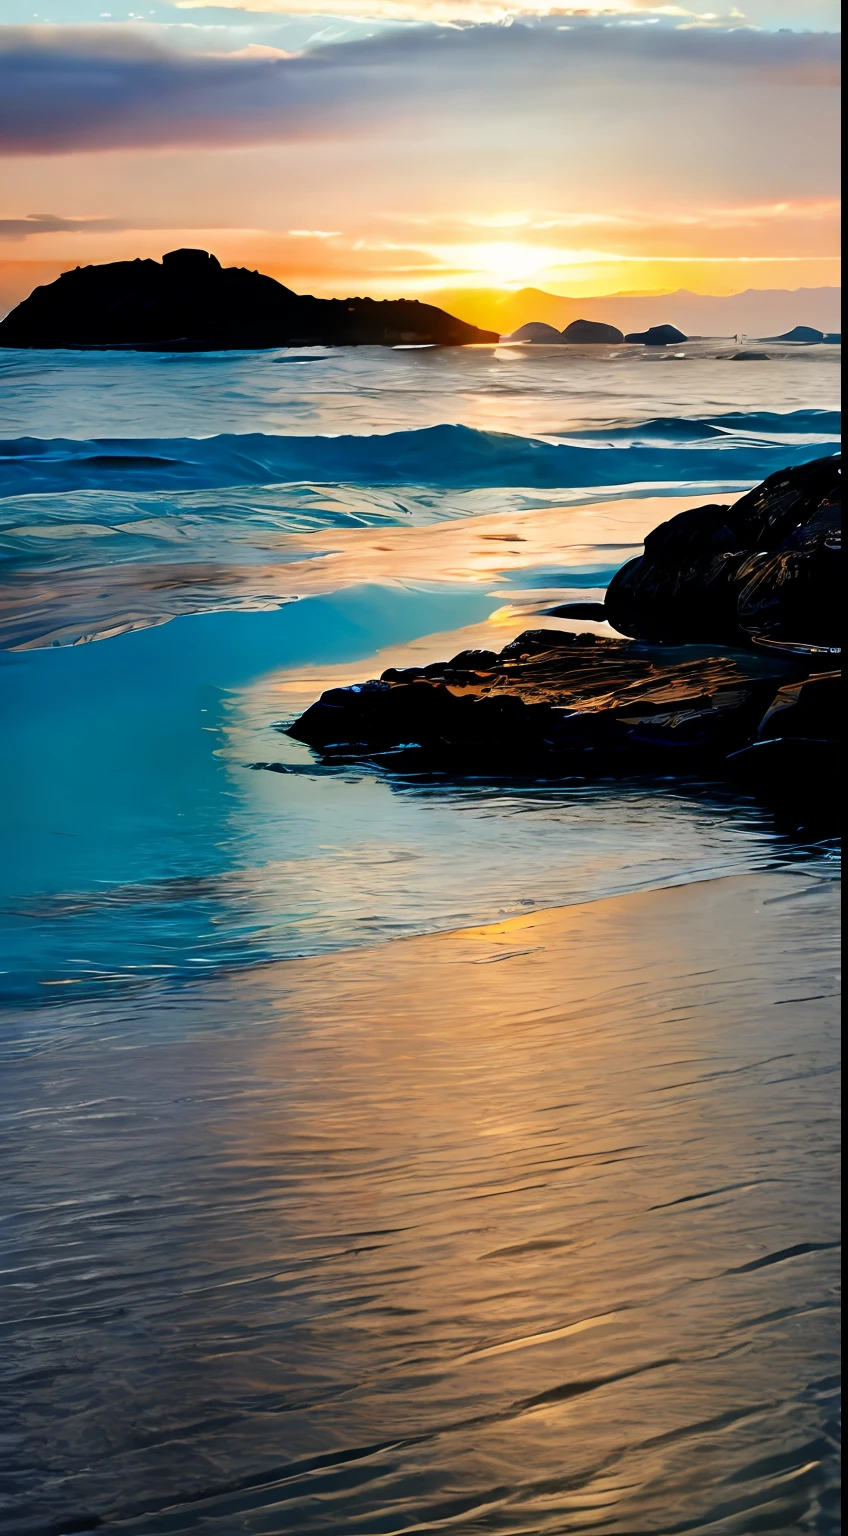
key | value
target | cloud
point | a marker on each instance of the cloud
(800, 15)
(624, 220)
(65, 89)
(52, 224)
(451, 12)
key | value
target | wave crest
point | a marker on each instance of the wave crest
(735, 448)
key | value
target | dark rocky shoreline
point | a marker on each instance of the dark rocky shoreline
(732, 672)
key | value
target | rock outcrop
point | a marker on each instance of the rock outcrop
(580, 333)
(590, 333)
(556, 704)
(809, 336)
(538, 332)
(765, 569)
(805, 333)
(657, 336)
(190, 302)
(579, 702)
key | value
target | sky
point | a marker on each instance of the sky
(402, 147)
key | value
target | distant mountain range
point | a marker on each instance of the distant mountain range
(757, 312)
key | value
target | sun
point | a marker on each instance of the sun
(498, 261)
(511, 263)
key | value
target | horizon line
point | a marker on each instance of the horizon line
(71, 264)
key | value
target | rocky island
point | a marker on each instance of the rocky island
(189, 302)
(731, 668)
(809, 336)
(657, 336)
(587, 333)
(580, 333)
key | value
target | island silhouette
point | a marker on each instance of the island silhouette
(578, 333)
(189, 302)
(594, 333)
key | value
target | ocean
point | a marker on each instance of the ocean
(238, 1282)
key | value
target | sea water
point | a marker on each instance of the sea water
(194, 546)
(190, 553)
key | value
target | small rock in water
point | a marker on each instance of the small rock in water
(583, 610)
(537, 331)
(805, 333)
(591, 333)
(657, 336)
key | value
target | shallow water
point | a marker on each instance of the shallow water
(524, 1229)
(194, 546)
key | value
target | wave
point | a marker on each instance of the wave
(783, 425)
(736, 448)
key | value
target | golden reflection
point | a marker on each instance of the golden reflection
(529, 1228)
(474, 550)
(530, 1170)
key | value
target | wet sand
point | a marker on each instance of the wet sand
(530, 1227)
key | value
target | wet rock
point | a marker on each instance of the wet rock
(809, 708)
(579, 333)
(765, 570)
(579, 610)
(657, 336)
(590, 333)
(555, 703)
(536, 331)
(749, 357)
(806, 333)
(799, 777)
(795, 760)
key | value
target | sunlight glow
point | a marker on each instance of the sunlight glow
(507, 264)
(512, 261)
